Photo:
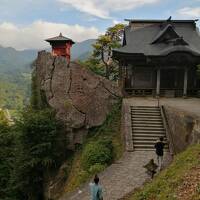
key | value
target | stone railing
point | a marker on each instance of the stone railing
(168, 131)
(126, 127)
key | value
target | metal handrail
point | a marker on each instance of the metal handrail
(168, 131)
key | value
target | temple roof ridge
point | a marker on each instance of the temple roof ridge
(161, 20)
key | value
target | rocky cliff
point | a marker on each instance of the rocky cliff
(81, 98)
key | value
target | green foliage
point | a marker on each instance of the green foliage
(40, 147)
(7, 144)
(38, 98)
(15, 77)
(96, 168)
(94, 65)
(14, 90)
(3, 119)
(98, 152)
(101, 61)
(35, 144)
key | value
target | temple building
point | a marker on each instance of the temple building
(159, 58)
(61, 46)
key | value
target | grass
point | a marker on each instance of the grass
(165, 185)
(110, 130)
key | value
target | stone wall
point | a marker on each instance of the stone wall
(185, 127)
(126, 127)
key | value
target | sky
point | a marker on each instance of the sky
(24, 24)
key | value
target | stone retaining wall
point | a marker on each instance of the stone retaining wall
(185, 127)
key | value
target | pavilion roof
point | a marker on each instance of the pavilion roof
(59, 38)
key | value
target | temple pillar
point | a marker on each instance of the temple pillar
(158, 83)
(132, 77)
(185, 82)
(120, 75)
(122, 78)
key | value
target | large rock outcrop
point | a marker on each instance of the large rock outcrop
(185, 127)
(81, 98)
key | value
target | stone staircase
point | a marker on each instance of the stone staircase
(147, 127)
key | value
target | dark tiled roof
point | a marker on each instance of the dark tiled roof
(139, 41)
(163, 31)
(59, 38)
(159, 20)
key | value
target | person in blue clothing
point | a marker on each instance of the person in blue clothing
(96, 190)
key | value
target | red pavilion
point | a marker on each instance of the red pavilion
(61, 46)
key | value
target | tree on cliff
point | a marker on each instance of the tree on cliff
(103, 49)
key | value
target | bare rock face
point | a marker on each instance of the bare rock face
(185, 127)
(81, 98)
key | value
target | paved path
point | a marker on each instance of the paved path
(122, 177)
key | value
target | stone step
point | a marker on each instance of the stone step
(148, 128)
(145, 146)
(145, 149)
(146, 114)
(149, 107)
(142, 122)
(148, 131)
(146, 111)
(149, 125)
(144, 135)
(146, 119)
(149, 139)
(145, 108)
(146, 142)
(137, 125)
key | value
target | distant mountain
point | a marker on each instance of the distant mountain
(11, 59)
(15, 72)
(82, 50)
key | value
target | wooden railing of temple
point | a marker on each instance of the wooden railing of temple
(140, 91)
(168, 92)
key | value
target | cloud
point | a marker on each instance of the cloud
(117, 22)
(103, 8)
(189, 12)
(32, 36)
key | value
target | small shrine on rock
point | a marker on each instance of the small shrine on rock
(61, 46)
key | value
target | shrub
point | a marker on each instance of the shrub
(7, 144)
(97, 152)
(94, 169)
